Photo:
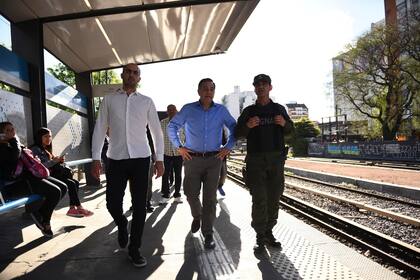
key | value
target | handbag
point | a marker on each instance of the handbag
(32, 164)
(61, 171)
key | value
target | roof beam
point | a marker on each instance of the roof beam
(159, 61)
(132, 9)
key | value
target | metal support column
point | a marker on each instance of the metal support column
(84, 85)
(27, 41)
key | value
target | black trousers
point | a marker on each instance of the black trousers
(172, 163)
(52, 191)
(119, 173)
(73, 189)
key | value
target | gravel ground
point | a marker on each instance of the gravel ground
(377, 202)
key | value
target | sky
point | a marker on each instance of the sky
(292, 41)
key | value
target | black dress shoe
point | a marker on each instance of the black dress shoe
(136, 258)
(270, 240)
(209, 242)
(195, 225)
(150, 209)
(122, 236)
(259, 248)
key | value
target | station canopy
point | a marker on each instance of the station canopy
(90, 35)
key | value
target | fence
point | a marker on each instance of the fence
(390, 151)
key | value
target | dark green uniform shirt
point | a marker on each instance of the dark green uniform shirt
(266, 137)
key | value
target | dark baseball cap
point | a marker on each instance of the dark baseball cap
(261, 78)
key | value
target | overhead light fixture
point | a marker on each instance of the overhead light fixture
(117, 56)
(217, 49)
(98, 22)
(103, 31)
(88, 4)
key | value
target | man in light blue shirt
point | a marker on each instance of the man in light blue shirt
(203, 152)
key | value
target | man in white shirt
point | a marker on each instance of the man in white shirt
(127, 113)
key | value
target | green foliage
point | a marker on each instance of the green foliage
(66, 75)
(304, 129)
(375, 131)
(6, 87)
(63, 73)
(105, 77)
(380, 74)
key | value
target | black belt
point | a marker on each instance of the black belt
(205, 154)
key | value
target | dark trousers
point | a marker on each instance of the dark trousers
(52, 191)
(172, 163)
(265, 179)
(119, 173)
(73, 189)
(223, 174)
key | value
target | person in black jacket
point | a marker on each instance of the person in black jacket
(25, 183)
(264, 125)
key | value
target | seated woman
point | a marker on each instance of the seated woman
(51, 191)
(43, 149)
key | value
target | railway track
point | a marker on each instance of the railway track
(238, 164)
(377, 163)
(400, 255)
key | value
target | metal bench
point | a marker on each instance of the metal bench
(31, 202)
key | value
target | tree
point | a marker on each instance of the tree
(66, 75)
(304, 130)
(63, 73)
(380, 74)
(105, 77)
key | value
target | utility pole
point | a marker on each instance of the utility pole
(337, 127)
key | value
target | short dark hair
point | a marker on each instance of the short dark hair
(3, 126)
(204, 81)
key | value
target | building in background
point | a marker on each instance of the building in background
(238, 100)
(297, 110)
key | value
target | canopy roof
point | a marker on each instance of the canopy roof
(90, 35)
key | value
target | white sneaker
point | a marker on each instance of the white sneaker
(164, 200)
(178, 199)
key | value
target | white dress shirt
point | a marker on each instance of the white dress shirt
(127, 117)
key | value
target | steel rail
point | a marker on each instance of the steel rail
(363, 192)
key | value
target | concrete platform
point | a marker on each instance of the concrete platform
(86, 248)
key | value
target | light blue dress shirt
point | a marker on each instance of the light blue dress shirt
(203, 128)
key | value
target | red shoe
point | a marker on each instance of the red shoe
(73, 212)
(85, 212)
